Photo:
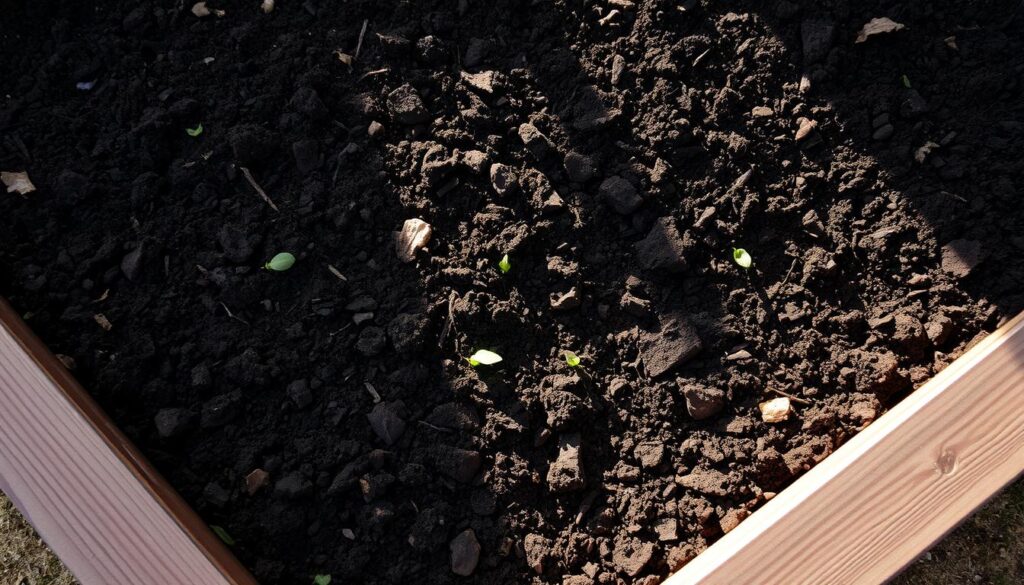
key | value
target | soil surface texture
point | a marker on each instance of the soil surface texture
(617, 151)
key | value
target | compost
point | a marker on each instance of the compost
(325, 418)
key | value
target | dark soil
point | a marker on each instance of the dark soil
(641, 141)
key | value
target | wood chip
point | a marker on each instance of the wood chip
(103, 322)
(775, 410)
(18, 182)
(877, 26)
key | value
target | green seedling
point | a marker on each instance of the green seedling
(572, 359)
(504, 265)
(322, 580)
(906, 81)
(194, 132)
(223, 535)
(280, 263)
(742, 257)
(483, 357)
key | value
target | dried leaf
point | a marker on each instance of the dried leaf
(775, 410)
(17, 182)
(877, 26)
(344, 57)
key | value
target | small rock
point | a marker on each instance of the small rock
(173, 422)
(415, 235)
(538, 550)
(293, 487)
(406, 106)
(371, 341)
(676, 342)
(960, 257)
(483, 82)
(475, 160)
(877, 26)
(620, 194)
(256, 480)
(503, 179)
(634, 305)
(702, 401)
(538, 144)
(566, 473)
(465, 553)
(732, 519)
(578, 167)
(805, 127)
(374, 128)
(300, 394)
(618, 68)
(706, 481)
(458, 464)
(938, 329)
(663, 248)
(775, 410)
(667, 529)
(131, 264)
(386, 423)
(762, 112)
(407, 331)
(883, 132)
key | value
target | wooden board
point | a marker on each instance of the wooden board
(92, 497)
(894, 489)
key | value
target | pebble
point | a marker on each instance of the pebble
(883, 132)
(503, 179)
(675, 343)
(415, 235)
(483, 82)
(131, 264)
(538, 144)
(618, 68)
(406, 106)
(959, 257)
(775, 410)
(537, 549)
(566, 301)
(386, 423)
(702, 401)
(374, 128)
(663, 249)
(620, 194)
(256, 480)
(579, 167)
(806, 126)
(762, 112)
(465, 553)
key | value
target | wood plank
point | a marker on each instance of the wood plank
(895, 488)
(89, 493)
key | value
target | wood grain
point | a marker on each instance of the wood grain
(894, 489)
(88, 492)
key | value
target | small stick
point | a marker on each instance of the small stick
(377, 72)
(233, 316)
(785, 280)
(359, 45)
(255, 185)
(791, 397)
(448, 322)
(372, 391)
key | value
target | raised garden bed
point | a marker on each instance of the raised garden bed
(876, 186)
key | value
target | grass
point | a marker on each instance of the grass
(988, 548)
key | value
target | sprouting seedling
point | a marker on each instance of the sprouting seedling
(742, 257)
(280, 263)
(906, 81)
(504, 265)
(483, 357)
(322, 580)
(223, 535)
(194, 132)
(572, 359)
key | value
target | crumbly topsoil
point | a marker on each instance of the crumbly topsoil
(616, 151)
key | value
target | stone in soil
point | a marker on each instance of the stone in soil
(578, 167)
(538, 551)
(960, 257)
(632, 555)
(566, 473)
(702, 401)
(503, 179)
(539, 145)
(673, 344)
(664, 248)
(458, 464)
(620, 194)
(386, 422)
(465, 553)
(406, 106)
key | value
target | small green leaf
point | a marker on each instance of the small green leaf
(572, 359)
(504, 265)
(281, 262)
(742, 257)
(223, 534)
(906, 81)
(194, 132)
(482, 356)
(322, 580)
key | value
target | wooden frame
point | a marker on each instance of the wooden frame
(859, 516)
(89, 493)
(895, 488)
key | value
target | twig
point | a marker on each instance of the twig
(255, 185)
(785, 280)
(791, 397)
(450, 321)
(233, 316)
(376, 72)
(372, 391)
(359, 45)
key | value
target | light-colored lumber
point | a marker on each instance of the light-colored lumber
(894, 489)
(91, 496)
